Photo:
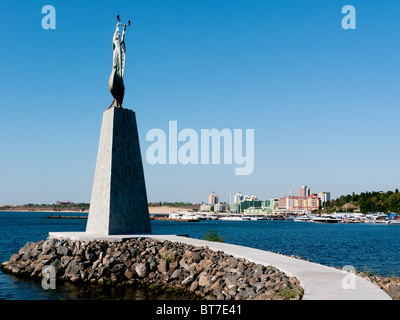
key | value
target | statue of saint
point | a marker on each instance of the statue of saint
(116, 81)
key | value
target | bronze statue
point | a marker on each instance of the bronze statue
(116, 81)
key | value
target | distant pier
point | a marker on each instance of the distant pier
(66, 217)
(170, 219)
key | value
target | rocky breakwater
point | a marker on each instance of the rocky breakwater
(159, 265)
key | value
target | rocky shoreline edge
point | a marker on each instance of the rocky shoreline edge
(159, 265)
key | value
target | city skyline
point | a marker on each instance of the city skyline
(322, 100)
(304, 192)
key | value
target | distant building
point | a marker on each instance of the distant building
(250, 198)
(300, 203)
(266, 207)
(221, 207)
(304, 191)
(324, 197)
(237, 197)
(213, 199)
(239, 207)
(270, 205)
(286, 203)
(64, 202)
(205, 207)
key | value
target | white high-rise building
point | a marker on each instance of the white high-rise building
(324, 196)
(237, 197)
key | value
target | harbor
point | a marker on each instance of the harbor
(188, 216)
(342, 217)
(336, 217)
(334, 245)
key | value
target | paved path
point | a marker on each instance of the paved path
(319, 282)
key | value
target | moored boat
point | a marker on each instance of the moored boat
(302, 219)
(326, 219)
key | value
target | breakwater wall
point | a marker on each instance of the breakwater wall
(158, 264)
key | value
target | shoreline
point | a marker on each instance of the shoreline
(160, 265)
(152, 209)
(389, 283)
(169, 267)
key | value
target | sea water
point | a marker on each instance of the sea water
(367, 247)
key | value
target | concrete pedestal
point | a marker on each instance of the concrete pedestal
(119, 200)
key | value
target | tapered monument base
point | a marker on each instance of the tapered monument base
(119, 200)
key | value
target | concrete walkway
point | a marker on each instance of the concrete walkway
(319, 282)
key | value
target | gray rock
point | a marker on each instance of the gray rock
(64, 251)
(197, 258)
(72, 269)
(176, 274)
(194, 286)
(184, 265)
(153, 265)
(118, 268)
(188, 280)
(203, 279)
(65, 260)
(58, 266)
(141, 270)
(48, 246)
(153, 250)
(14, 258)
(243, 295)
(26, 248)
(211, 275)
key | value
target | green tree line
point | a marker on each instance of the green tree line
(375, 201)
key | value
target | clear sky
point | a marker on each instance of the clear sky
(324, 102)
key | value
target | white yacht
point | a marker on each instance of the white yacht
(235, 218)
(257, 218)
(302, 219)
(211, 217)
(379, 217)
(175, 215)
(189, 216)
(326, 219)
(199, 216)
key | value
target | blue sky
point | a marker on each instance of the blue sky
(323, 101)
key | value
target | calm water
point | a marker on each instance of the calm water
(365, 246)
